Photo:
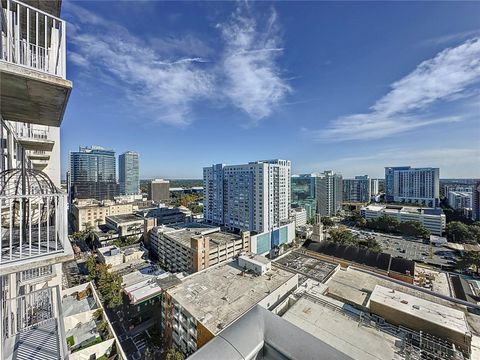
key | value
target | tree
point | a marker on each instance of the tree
(342, 235)
(460, 233)
(174, 354)
(414, 228)
(91, 265)
(470, 258)
(327, 222)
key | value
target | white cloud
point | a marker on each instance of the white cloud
(446, 77)
(161, 87)
(253, 79)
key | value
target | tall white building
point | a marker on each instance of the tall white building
(329, 193)
(33, 211)
(413, 185)
(460, 200)
(253, 196)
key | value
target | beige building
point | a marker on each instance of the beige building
(159, 190)
(93, 212)
(194, 247)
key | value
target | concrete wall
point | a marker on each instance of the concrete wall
(278, 295)
(97, 349)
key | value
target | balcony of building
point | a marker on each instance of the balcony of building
(33, 84)
(34, 137)
(33, 227)
(32, 326)
(39, 158)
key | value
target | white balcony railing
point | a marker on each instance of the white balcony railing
(27, 319)
(31, 131)
(36, 274)
(32, 226)
(32, 38)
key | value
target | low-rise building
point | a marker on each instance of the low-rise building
(194, 247)
(167, 215)
(299, 216)
(126, 224)
(264, 242)
(196, 310)
(432, 218)
(93, 212)
(117, 258)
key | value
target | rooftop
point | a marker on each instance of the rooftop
(220, 294)
(306, 266)
(123, 218)
(441, 315)
(339, 331)
(404, 209)
(150, 287)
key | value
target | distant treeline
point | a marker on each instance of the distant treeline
(185, 183)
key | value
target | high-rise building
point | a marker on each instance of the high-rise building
(459, 200)
(254, 196)
(129, 173)
(93, 172)
(34, 242)
(329, 193)
(374, 187)
(357, 190)
(304, 193)
(476, 202)
(412, 185)
(159, 190)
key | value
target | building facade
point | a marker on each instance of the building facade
(329, 193)
(91, 212)
(476, 202)
(34, 237)
(460, 200)
(159, 190)
(358, 189)
(413, 185)
(92, 171)
(304, 193)
(252, 197)
(432, 218)
(129, 173)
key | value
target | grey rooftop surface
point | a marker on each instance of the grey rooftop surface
(260, 334)
(220, 294)
(306, 266)
(184, 233)
(124, 218)
(340, 331)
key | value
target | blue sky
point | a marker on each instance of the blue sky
(351, 87)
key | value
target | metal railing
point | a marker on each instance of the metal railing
(37, 273)
(32, 226)
(29, 312)
(32, 38)
(39, 132)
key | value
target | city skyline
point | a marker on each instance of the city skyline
(354, 105)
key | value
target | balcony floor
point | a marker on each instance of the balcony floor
(40, 342)
(23, 252)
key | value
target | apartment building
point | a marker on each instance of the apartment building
(476, 202)
(329, 193)
(194, 247)
(196, 310)
(432, 218)
(33, 211)
(460, 200)
(91, 212)
(252, 197)
(159, 190)
(129, 173)
(358, 190)
(413, 185)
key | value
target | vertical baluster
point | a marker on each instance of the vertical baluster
(30, 227)
(64, 49)
(29, 62)
(20, 209)
(17, 37)
(56, 223)
(11, 227)
(39, 226)
(45, 63)
(9, 32)
(48, 224)
(37, 57)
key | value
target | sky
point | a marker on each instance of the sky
(345, 86)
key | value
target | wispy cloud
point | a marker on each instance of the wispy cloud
(253, 79)
(446, 77)
(447, 39)
(165, 77)
(162, 87)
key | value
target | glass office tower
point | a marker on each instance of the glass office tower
(304, 193)
(129, 173)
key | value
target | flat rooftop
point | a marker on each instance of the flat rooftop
(219, 295)
(440, 315)
(405, 209)
(341, 332)
(150, 287)
(123, 218)
(306, 266)
(216, 237)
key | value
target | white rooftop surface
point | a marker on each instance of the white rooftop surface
(143, 290)
(139, 276)
(341, 332)
(219, 295)
(72, 306)
(255, 259)
(430, 311)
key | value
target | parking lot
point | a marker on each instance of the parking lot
(413, 249)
